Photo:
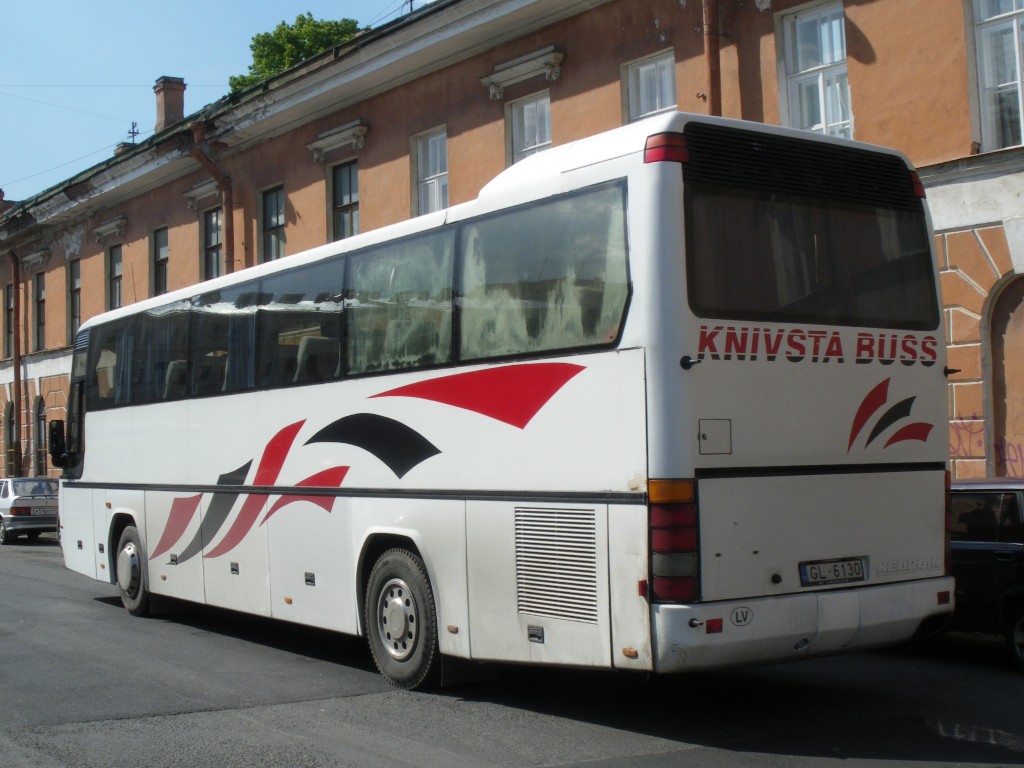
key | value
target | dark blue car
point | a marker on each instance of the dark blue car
(987, 551)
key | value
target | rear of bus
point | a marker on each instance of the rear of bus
(796, 400)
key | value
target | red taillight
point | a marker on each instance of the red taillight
(675, 551)
(675, 590)
(673, 540)
(666, 148)
(21, 510)
(915, 180)
(673, 515)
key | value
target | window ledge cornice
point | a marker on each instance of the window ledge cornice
(547, 62)
(351, 134)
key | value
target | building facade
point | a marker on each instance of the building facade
(421, 113)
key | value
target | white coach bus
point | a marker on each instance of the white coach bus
(668, 398)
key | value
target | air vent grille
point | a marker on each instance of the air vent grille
(736, 157)
(556, 563)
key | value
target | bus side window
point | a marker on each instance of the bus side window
(299, 323)
(162, 360)
(222, 334)
(104, 376)
(108, 372)
(317, 360)
(399, 305)
(546, 277)
(176, 380)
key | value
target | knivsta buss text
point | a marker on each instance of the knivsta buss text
(664, 399)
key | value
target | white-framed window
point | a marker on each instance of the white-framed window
(345, 200)
(817, 86)
(530, 123)
(430, 154)
(273, 224)
(161, 252)
(115, 271)
(998, 33)
(651, 85)
(213, 236)
(74, 298)
(40, 284)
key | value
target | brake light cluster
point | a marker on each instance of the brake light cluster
(21, 511)
(675, 553)
(666, 148)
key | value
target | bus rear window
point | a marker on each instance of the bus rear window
(778, 257)
(783, 229)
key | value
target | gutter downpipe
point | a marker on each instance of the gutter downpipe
(16, 363)
(712, 57)
(200, 152)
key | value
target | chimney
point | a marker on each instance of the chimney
(170, 102)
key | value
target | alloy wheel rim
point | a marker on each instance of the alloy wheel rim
(397, 619)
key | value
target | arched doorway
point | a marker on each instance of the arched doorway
(1008, 381)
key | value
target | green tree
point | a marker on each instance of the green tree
(289, 44)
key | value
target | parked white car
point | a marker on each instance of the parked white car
(28, 507)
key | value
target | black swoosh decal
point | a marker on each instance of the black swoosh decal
(217, 513)
(394, 443)
(899, 411)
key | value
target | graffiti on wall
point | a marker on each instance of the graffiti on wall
(966, 437)
(1009, 456)
(967, 440)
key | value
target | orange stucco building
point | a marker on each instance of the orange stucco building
(424, 111)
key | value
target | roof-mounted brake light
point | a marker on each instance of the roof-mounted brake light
(666, 148)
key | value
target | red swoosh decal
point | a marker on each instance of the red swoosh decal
(182, 512)
(875, 399)
(513, 394)
(329, 478)
(266, 474)
(917, 431)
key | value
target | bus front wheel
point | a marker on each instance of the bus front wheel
(131, 573)
(401, 623)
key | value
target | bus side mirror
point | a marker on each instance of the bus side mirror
(58, 447)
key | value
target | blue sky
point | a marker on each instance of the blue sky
(75, 74)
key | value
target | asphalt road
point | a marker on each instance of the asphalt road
(84, 684)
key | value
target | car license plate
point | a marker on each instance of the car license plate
(817, 573)
(43, 510)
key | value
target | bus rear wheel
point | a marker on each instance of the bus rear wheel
(131, 573)
(401, 623)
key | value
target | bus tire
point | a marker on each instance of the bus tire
(401, 622)
(131, 573)
(1015, 637)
